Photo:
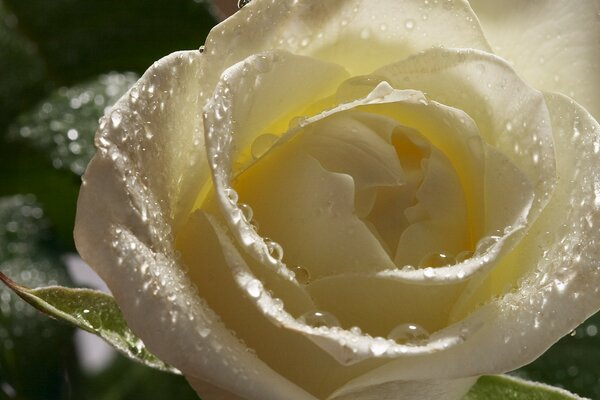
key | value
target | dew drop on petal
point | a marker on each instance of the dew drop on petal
(254, 288)
(409, 24)
(485, 243)
(436, 260)
(232, 195)
(302, 274)
(115, 118)
(319, 318)
(242, 3)
(275, 249)
(463, 256)
(246, 211)
(262, 144)
(379, 346)
(409, 334)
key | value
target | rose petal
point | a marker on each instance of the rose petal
(553, 44)
(310, 212)
(377, 304)
(511, 116)
(264, 322)
(337, 31)
(557, 263)
(430, 390)
(140, 185)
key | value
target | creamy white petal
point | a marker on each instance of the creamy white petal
(345, 144)
(378, 304)
(360, 35)
(398, 390)
(511, 116)
(137, 190)
(555, 269)
(553, 44)
(309, 211)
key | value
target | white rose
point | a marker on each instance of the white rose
(434, 216)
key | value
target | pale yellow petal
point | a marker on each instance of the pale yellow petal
(359, 35)
(553, 44)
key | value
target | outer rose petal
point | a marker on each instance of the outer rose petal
(343, 31)
(552, 44)
(140, 184)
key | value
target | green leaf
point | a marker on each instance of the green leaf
(504, 387)
(92, 311)
(62, 126)
(36, 353)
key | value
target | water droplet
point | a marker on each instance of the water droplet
(356, 330)
(409, 24)
(115, 118)
(242, 3)
(357, 87)
(246, 211)
(379, 346)
(436, 260)
(509, 126)
(262, 144)
(463, 256)
(254, 288)
(302, 274)
(409, 334)
(275, 249)
(319, 318)
(232, 195)
(486, 243)
(201, 49)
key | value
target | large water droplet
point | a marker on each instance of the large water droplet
(254, 288)
(262, 144)
(357, 87)
(242, 3)
(463, 256)
(275, 249)
(409, 334)
(409, 24)
(319, 318)
(302, 274)
(486, 243)
(436, 260)
(246, 211)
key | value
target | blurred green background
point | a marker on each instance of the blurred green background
(62, 63)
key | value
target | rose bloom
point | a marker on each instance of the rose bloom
(376, 199)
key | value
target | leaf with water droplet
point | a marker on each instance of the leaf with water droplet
(92, 311)
(506, 387)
